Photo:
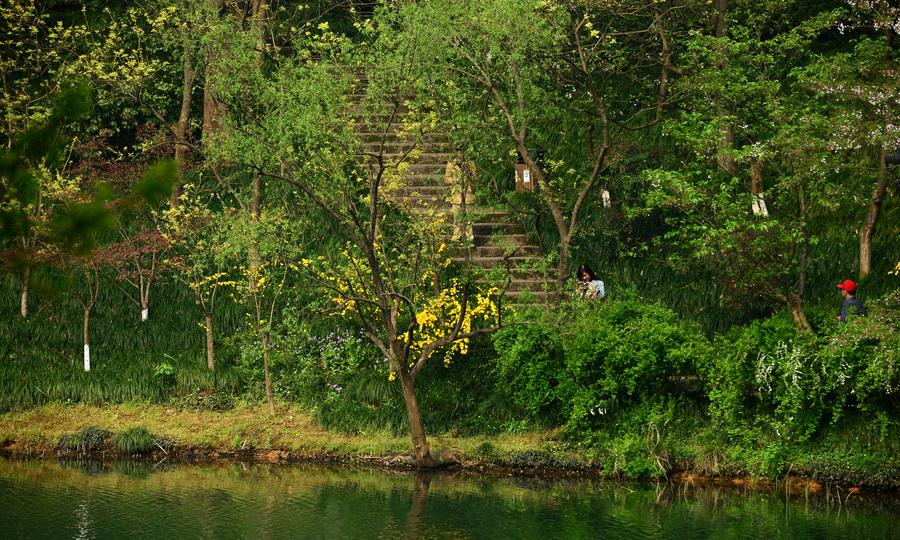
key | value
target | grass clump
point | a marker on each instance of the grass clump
(88, 439)
(136, 440)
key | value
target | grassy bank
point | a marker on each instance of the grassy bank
(246, 432)
(240, 429)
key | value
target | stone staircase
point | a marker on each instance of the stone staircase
(497, 246)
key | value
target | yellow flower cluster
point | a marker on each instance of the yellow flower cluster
(439, 316)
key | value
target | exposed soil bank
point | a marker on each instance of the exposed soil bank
(249, 434)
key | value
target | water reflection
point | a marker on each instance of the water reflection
(159, 500)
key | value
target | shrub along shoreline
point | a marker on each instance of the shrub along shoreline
(153, 432)
(598, 387)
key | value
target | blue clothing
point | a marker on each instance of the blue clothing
(854, 302)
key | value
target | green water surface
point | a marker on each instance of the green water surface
(141, 500)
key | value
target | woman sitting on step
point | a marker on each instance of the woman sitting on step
(589, 286)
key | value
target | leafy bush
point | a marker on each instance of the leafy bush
(88, 439)
(530, 363)
(766, 376)
(593, 362)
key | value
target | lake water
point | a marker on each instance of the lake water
(141, 500)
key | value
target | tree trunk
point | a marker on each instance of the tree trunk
(26, 289)
(145, 311)
(756, 189)
(562, 267)
(210, 344)
(259, 9)
(868, 228)
(724, 157)
(183, 128)
(86, 337)
(803, 258)
(253, 251)
(796, 305)
(212, 109)
(416, 424)
(269, 397)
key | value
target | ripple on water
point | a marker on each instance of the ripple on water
(91, 501)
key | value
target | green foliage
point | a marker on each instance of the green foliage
(40, 357)
(136, 440)
(767, 377)
(88, 439)
(156, 184)
(530, 367)
(596, 362)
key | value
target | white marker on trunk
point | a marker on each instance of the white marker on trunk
(87, 357)
(145, 314)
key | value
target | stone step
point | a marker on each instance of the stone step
(411, 168)
(428, 191)
(399, 146)
(527, 283)
(425, 180)
(438, 159)
(493, 262)
(499, 239)
(528, 297)
(392, 136)
(504, 228)
(500, 251)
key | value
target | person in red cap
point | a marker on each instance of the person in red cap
(848, 291)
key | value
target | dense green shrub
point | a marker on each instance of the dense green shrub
(767, 376)
(590, 363)
(530, 364)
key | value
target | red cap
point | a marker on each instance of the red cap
(848, 286)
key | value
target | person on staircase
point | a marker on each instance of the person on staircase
(458, 175)
(589, 286)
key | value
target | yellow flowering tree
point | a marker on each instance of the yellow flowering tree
(261, 288)
(194, 232)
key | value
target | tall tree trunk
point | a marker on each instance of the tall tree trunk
(183, 129)
(253, 250)
(724, 157)
(868, 228)
(756, 189)
(416, 424)
(803, 258)
(86, 337)
(212, 109)
(210, 344)
(562, 267)
(26, 289)
(796, 305)
(269, 396)
(259, 10)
